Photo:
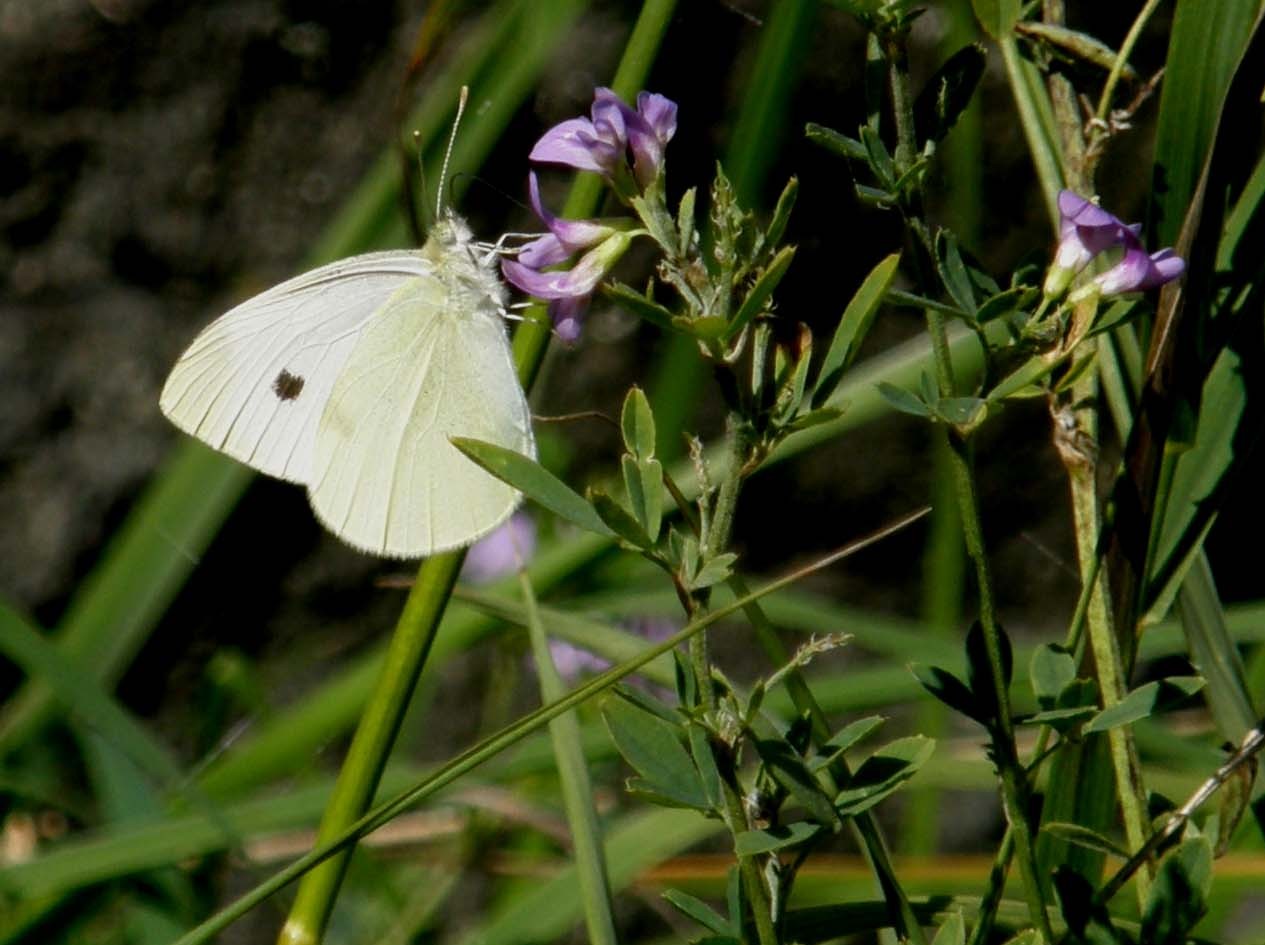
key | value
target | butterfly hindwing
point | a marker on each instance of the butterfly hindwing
(428, 366)
(254, 383)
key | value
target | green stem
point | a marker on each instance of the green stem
(715, 542)
(1045, 154)
(1078, 449)
(897, 57)
(987, 915)
(1013, 778)
(1122, 59)
(358, 779)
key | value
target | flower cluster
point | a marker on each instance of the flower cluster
(1085, 231)
(624, 145)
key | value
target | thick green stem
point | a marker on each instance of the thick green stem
(1077, 440)
(358, 778)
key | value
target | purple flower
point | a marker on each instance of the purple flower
(1137, 271)
(568, 290)
(649, 134)
(1085, 231)
(502, 551)
(602, 142)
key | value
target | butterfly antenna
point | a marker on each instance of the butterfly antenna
(452, 140)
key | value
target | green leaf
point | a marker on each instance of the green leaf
(639, 304)
(853, 733)
(534, 481)
(699, 911)
(813, 418)
(1087, 919)
(791, 394)
(716, 569)
(1061, 720)
(880, 160)
(761, 291)
(997, 17)
(875, 196)
(953, 931)
(1178, 897)
(1050, 671)
(853, 326)
(979, 673)
(619, 520)
(1084, 837)
(1003, 303)
(637, 424)
(790, 771)
(905, 401)
(781, 214)
(685, 219)
(953, 272)
(1146, 700)
(962, 412)
(754, 842)
(950, 690)
(832, 140)
(644, 481)
(653, 747)
(884, 772)
(948, 93)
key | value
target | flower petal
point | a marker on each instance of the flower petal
(576, 143)
(555, 284)
(568, 317)
(659, 112)
(575, 235)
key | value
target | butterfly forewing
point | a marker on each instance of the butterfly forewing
(433, 363)
(255, 382)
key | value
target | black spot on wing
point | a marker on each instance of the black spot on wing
(287, 386)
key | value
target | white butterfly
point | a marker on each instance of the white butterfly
(351, 378)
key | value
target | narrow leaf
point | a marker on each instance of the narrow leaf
(1084, 837)
(883, 772)
(762, 290)
(534, 481)
(853, 326)
(947, 94)
(752, 842)
(653, 748)
(637, 424)
(1144, 701)
(619, 520)
(789, 770)
(832, 140)
(699, 911)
